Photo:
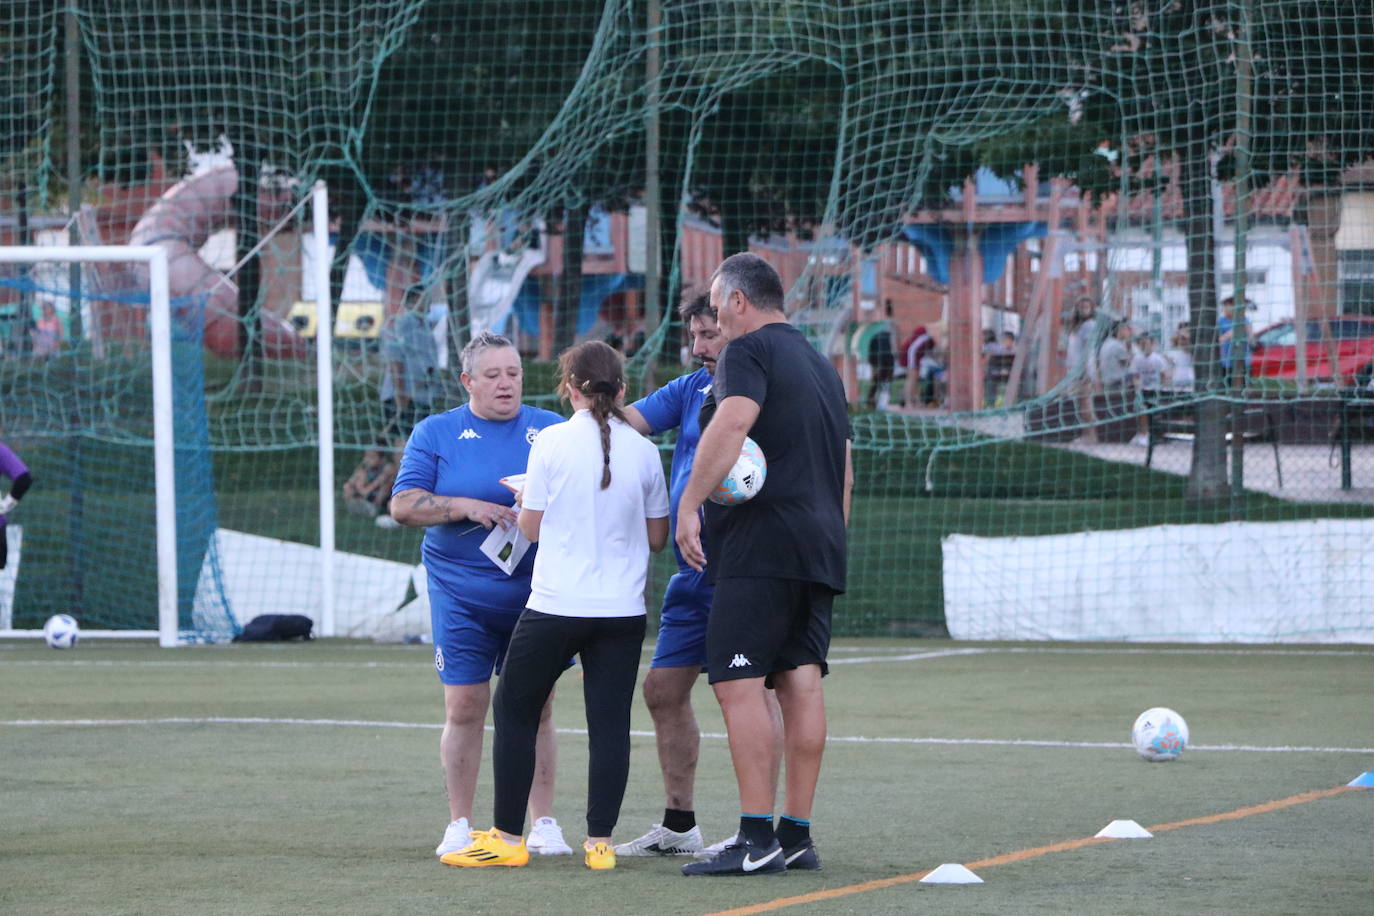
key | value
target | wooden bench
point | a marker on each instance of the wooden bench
(1179, 423)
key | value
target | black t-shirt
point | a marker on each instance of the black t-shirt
(880, 350)
(794, 528)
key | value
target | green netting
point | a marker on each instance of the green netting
(1052, 170)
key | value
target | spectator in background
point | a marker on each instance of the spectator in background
(1226, 331)
(914, 349)
(368, 489)
(999, 355)
(1082, 366)
(46, 337)
(410, 366)
(1114, 366)
(1151, 372)
(883, 361)
(924, 367)
(1180, 356)
(931, 369)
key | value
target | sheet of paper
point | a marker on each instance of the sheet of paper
(515, 482)
(505, 547)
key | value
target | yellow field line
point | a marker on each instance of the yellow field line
(1021, 855)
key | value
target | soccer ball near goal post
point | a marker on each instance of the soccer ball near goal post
(61, 631)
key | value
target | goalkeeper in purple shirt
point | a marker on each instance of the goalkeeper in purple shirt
(13, 467)
(680, 650)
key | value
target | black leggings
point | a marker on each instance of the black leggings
(539, 650)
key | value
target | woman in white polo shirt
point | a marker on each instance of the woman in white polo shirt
(595, 498)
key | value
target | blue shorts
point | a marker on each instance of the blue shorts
(469, 642)
(682, 623)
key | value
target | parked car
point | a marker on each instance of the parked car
(1351, 337)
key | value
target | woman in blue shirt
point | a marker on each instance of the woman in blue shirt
(449, 484)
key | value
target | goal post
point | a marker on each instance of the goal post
(160, 333)
(191, 576)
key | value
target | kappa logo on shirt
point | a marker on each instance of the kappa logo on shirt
(706, 390)
(531, 433)
(469, 433)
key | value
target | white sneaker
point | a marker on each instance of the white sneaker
(717, 848)
(660, 841)
(546, 838)
(456, 837)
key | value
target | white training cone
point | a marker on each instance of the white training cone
(950, 873)
(1124, 830)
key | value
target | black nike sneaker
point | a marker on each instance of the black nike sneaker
(741, 859)
(802, 857)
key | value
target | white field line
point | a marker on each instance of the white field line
(422, 660)
(717, 736)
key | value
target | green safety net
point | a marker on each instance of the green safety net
(1126, 458)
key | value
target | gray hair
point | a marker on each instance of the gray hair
(754, 277)
(487, 340)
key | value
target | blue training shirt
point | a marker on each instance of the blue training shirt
(457, 453)
(678, 404)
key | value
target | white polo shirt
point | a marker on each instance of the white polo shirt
(593, 543)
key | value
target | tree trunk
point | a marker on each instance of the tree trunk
(570, 280)
(456, 282)
(247, 226)
(346, 201)
(1207, 482)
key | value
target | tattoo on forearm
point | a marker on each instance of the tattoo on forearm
(442, 504)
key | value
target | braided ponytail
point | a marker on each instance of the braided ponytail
(596, 371)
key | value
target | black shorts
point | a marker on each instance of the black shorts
(760, 626)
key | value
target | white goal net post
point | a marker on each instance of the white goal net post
(169, 630)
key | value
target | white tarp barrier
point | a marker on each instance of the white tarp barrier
(1309, 581)
(269, 576)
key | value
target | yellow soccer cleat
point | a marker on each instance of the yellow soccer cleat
(488, 848)
(599, 857)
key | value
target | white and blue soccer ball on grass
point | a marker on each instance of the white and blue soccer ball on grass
(61, 631)
(1159, 734)
(745, 479)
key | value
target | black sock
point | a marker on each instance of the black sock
(679, 821)
(756, 829)
(793, 831)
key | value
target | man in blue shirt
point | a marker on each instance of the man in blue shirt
(680, 651)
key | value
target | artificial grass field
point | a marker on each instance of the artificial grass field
(304, 779)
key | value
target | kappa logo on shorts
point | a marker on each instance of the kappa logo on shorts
(438, 658)
(739, 661)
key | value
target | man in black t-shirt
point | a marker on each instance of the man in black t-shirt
(778, 560)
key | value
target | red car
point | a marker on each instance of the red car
(1275, 352)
